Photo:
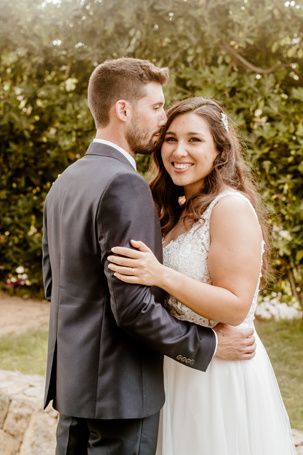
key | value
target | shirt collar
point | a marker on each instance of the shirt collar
(120, 149)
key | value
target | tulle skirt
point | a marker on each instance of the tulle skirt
(235, 408)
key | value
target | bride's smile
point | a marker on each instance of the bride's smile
(181, 167)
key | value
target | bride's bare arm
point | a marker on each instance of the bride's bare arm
(234, 263)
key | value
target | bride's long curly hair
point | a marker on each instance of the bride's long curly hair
(229, 169)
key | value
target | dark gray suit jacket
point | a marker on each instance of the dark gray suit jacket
(107, 338)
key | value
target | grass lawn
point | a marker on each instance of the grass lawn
(284, 344)
(283, 340)
(25, 353)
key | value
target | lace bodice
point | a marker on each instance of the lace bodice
(188, 254)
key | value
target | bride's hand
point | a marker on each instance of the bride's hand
(138, 266)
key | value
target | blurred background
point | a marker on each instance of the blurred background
(247, 54)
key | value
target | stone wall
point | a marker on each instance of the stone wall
(25, 429)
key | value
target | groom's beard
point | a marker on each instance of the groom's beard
(141, 140)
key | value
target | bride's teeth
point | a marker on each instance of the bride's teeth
(182, 165)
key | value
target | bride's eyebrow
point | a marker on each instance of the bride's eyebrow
(194, 133)
(189, 133)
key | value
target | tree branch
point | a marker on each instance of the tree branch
(230, 50)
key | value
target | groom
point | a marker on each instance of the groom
(107, 338)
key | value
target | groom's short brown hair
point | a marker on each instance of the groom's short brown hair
(122, 78)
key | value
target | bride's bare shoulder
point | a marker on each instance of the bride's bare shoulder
(234, 212)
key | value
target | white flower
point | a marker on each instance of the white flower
(20, 270)
(258, 112)
(70, 84)
(271, 307)
(285, 234)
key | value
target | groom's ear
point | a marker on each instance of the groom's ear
(123, 110)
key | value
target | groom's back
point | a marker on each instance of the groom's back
(73, 203)
(89, 355)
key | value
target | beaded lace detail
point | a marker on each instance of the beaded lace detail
(188, 254)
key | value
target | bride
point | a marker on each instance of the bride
(213, 247)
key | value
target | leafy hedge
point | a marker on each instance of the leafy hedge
(246, 54)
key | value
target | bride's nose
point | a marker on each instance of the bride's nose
(180, 149)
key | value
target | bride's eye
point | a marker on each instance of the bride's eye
(169, 139)
(194, 139)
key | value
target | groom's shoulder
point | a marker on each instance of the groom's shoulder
(96, 178)
(126, 181)
(127, 192)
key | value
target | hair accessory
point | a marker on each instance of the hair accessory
(224, 121)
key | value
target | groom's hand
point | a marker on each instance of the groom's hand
(235, 343)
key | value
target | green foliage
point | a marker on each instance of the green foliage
(244, 53)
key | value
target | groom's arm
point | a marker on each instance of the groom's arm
(127, 212)
(46, 265)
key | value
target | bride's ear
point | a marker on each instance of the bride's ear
(122, 110)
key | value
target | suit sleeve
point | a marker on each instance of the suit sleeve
(46, 265)
(127, 212)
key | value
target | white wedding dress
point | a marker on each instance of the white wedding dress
(235, 407)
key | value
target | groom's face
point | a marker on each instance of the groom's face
(148, 116)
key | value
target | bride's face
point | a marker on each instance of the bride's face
(188, 152)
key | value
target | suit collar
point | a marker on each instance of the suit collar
(99, 149)
(127, 155)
